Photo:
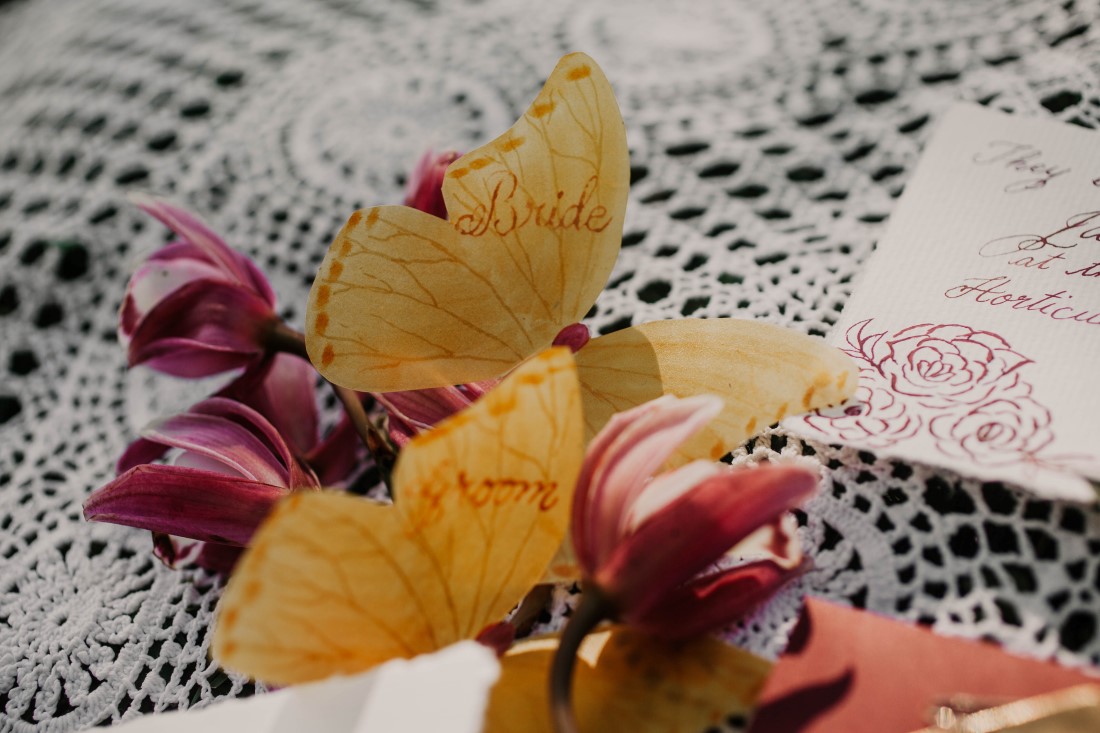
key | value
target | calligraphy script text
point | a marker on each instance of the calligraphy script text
(510, 210)
(1084, 227)
(993, 291)
(1020, 158)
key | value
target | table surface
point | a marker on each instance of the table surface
(769, 143)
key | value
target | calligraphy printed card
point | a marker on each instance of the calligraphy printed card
(976, 323)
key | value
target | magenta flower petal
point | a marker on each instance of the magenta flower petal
(223, 441)
(713, 601)
(195, 307)
(337, 456)
(412, 412)
(476, 390)
(584, 519)
(696, 529)
(425, 188)
(139, 452)
(201, 329)
(219, 558)
(423, 408)
(283, 392)
(616, 469)
(153, 282)
(400, 432)
(189, 228)
(255, 423)
(667, 488)
(187, 502)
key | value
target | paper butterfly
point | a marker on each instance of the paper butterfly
(337, 584)
(405, 300)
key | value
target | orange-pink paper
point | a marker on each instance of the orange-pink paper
(857, 672)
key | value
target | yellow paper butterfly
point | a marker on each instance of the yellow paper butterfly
(405, 300)
(336, 584)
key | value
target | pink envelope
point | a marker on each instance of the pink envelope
(852, 671)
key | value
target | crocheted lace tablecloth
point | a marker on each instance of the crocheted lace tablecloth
(769, 143)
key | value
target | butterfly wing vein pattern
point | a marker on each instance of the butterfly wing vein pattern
(755, 367)
(337, 584)
(405, 300)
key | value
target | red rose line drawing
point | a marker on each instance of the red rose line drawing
(958, 385)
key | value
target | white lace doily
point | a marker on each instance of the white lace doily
(769, 142)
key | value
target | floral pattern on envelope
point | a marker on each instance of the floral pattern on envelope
(963, 388)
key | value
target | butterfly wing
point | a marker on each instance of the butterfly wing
(762, 371)
(336, 584)
(625, 680)
(405, 300)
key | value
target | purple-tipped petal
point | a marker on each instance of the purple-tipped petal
(189, 228)
(218, 558)
(164, 548)
(186, 502)
(711, 602)
(153, 282)
(201, 329)
(615, 471)
(584, 518)
(667, 488)
(257, 425)
(223, 441)
(696, 529)
(139, 452)
(425, 188)
(421, 409)
(400, 432)
(335, 458)
(284, 394)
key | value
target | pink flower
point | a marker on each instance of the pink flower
(233, 468)
(951, 364)
(875, 417)
(414, 411)
(195, 307)
(237, 458)
(425, 188)
(649, 545)
(995, 433)
(282, 391)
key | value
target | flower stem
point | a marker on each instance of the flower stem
(594, 607)
(384, 455)
(283, 338)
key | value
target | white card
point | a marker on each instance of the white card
(976, 323)
(448, 690)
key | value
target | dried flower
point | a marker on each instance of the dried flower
(232, 469)
(643, 541)
(282, 390)
(195, 307)
(648, 546)
(276, 401)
